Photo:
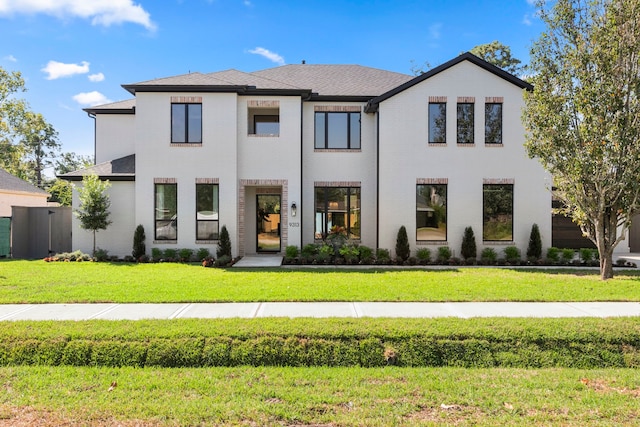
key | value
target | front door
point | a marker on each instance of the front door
(268, 222)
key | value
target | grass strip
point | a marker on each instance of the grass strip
(68, 282)
(523, 343)
(318, 396)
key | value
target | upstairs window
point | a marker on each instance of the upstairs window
(437, 122)
(493, 123)
(186, 123)
(339, 130)
(465, 123)
(264, 118)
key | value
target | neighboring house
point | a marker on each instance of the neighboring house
(286, 155)
(17, 192)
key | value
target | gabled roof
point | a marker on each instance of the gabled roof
(372, 105)
(12, 183)
(122, 169)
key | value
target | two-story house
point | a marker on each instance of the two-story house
(286, 155)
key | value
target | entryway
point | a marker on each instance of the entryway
(268, 223)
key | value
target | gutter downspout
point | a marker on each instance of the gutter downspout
(95, 136)
(377, 179)
(301, 206)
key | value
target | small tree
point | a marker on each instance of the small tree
(93, 212)
(224, 245)
(534, 250)
(139, 247)
(402, 244)
(469, 249)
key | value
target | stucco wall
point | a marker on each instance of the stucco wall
(114, 135)
(406, 156)
(9, 199)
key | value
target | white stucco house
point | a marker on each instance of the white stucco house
(285, 155)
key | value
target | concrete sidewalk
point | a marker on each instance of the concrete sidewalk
(463, 310)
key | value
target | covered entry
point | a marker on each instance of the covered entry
(268, 222)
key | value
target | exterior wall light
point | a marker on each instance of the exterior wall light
(294, 209)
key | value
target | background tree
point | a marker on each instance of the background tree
(583, 117)
(40, 146)
(61, 190)
(11, 109)
(499, 55)
(93, 211)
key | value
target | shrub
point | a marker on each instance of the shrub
(291, 251)
(489, 255)
(325, 253)
(366, 254)
(383, 256)
(156, 254)
(350, 253)
(224, 244)
(202, 254)
(512, 254)
(424, 254)
(185, 254)
(567, 255)
(469, 249)
(534, 250)
(586, 255)
(222, 261)
(139, 247)
(309, 251)
(553, 254)
(444, 254)
(402, 244)
(101, 255)
(170, 254)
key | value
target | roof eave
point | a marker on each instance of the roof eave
(240, 89)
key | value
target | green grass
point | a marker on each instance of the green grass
(68, 282)
(319, 396)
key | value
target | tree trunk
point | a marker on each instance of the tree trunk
(94, 244)
(606, 266)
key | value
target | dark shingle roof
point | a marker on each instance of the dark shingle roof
(9, 182)
(122, 169)
(121, 107)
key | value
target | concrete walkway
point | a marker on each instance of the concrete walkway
(463, 310)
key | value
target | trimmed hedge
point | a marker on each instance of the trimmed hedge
(522, 343)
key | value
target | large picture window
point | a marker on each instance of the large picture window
(207, 211)
(437, 122)
(497, 212)
(465, 123)
(186, 123)
(493, 123)
(166, 211)
(337, 211)
(431, 212)
(337, 130)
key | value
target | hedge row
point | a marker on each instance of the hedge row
(599, 344)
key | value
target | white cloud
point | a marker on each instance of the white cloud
(435, 31)
(101, 12)
(56, 70)
(96, 77)
(271, 56)
(526, 20)
(91, 98)
(10, 58)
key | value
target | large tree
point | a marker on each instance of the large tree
(93, 211)
(11, 110)
(499, 55)
(40, 146)
(583, 116)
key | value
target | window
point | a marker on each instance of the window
(337, 130)
(493, 123)
(437, 122)
(497, 212)
(465, 123)
(166, 211)
(266, 125)
(431, 212)
(206, 211)
(186, 123)
(337, 211)
(264, 118)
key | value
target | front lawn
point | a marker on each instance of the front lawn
(320, 396)
(68, 282)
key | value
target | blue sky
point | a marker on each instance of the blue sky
(76, 53)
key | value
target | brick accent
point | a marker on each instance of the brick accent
(438, 99)
(187, 99)
(494, 99)
(191, 144)
(337, 183)
(254, 103)
(437, 144)
(338, 108)
(271, 186)
(467, 99)
(432, 181)
(498, 181)
(337, 150)
(491, 144)
(466, 144)
(207, 180)
(164, 180)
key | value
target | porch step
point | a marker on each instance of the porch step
(253, 261)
